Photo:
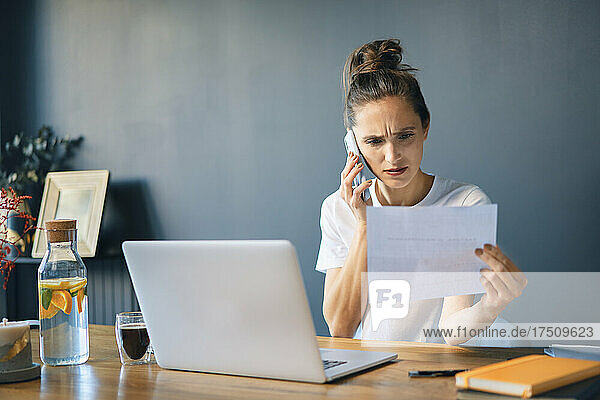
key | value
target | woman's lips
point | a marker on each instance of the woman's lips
(395, 172)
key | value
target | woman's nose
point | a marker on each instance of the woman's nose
(392, 153)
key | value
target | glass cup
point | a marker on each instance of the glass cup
(133, 341)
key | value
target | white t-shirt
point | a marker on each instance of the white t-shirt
(337, 230)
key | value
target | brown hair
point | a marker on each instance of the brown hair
(374, 71)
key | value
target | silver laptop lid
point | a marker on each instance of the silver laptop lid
(234, 307)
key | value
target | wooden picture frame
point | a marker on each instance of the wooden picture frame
(74, 195)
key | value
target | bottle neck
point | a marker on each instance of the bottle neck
(62, 246)
(62, 251)
(65, 242)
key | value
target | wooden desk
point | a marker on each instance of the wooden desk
(103, 377)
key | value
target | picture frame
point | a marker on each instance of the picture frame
(73, 195)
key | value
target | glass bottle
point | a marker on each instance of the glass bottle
(63, 301)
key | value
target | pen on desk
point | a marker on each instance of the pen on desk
(435, 373)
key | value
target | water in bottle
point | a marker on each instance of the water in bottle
(63, 301)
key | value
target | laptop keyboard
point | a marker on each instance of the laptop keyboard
(332, 363)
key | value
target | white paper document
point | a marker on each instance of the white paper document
(432, 247)
(583, 352)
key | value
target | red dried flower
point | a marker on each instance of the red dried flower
(10, 208)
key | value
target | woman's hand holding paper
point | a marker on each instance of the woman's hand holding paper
(503, 281)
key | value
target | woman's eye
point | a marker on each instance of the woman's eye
(375, 142)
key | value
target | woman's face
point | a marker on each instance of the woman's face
(390, 136)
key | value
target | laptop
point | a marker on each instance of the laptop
(234, 307)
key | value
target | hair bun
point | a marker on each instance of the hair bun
(377, 56)
(375, 71)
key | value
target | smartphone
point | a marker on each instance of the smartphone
(366, 173)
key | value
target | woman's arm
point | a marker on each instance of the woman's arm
(342, 293)
(342, 305)
(460, 315)
(502, 283)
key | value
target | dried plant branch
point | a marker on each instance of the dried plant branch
(10, 204)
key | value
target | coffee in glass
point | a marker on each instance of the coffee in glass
(132, 337)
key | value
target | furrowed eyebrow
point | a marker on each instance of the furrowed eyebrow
(408, 128)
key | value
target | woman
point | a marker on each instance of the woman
(385, 109)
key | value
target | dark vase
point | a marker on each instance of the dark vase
(16, 225)
(16, 234)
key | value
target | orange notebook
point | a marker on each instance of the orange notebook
(527, 376)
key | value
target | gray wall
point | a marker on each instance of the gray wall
(230, 112)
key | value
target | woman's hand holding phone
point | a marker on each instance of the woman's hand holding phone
(352, 195)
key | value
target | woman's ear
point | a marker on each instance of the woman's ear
(425, 132)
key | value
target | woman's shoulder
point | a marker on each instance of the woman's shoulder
(336, 214)
(452, 192)
(332, 202)
(331, 199)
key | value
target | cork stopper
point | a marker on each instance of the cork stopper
(60, 230)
